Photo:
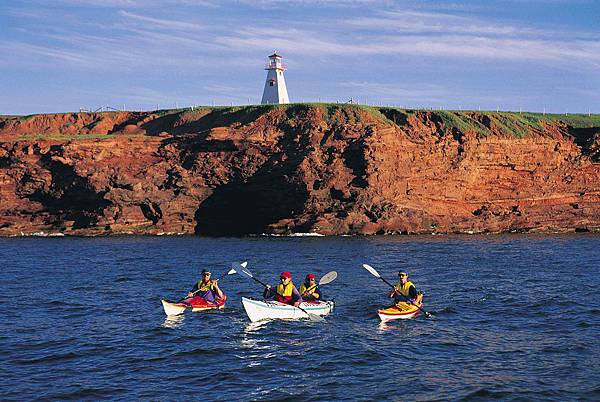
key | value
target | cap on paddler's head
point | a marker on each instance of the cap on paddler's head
(285, 274)
(205, 271)
(402, 273)
(310, 276)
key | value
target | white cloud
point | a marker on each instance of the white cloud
(161, 22)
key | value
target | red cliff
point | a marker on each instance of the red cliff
(331, 169)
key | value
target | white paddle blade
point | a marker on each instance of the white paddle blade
(328, 278)
(238, 267)
(232, 271)
(315, 317)
(371, 270)
(311, 316)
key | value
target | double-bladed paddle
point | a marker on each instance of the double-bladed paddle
(376, 275)
(246, 272)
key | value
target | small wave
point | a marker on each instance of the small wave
(484, 394)
(50, 358)
(43, 234)
(445, 310)
(479, 300)
(85, 393)
(306, 235)
(309, 234)
(83, 288)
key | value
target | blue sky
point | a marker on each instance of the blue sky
(61, 55)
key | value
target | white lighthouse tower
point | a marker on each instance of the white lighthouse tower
(275, 90)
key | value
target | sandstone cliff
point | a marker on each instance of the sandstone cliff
(331, 169)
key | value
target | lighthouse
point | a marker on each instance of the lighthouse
(275, 90)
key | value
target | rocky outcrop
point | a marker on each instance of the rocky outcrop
(330, 169)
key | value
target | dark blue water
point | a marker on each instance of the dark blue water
(514, 318)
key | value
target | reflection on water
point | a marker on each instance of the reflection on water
(173, 321)
(384, 327)
(254, 326)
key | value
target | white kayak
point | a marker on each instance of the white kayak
(259, 310)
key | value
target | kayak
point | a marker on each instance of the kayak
(259, 310)
(196, 303)
(400, 311)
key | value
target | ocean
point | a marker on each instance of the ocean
(514, 317)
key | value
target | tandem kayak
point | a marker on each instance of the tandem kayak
(400, 311)
(196, 303)
(259, 310)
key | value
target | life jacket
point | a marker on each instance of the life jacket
(403, 289)
(206, 291)
(204, 287)
(307, 289)
(284, 293)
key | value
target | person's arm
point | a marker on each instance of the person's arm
(307, 290)
(190, 293)
(268, 292)
(317, 293)
(218, 290)
(296, 296)
(393, 292)
(412, 293)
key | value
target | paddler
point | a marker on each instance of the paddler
(285, 292)
(404, 288)
(309, 290)
(206, 288)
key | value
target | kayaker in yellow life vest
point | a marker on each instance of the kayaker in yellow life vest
(285, 292)
(404, 288)
(309, 290)
(206, 288)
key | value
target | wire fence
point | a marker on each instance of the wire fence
(351, 101)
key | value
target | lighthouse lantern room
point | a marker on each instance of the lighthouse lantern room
(275, 90)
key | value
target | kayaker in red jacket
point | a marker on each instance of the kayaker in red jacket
(285, 292)
(206, 288)
(404, 288)
(309, 290)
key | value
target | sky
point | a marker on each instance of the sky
(530, 55)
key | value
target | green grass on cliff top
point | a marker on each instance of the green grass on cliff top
(515, 123)
(460, 118)
(572, 119)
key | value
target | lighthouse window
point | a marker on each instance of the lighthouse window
(271, 83)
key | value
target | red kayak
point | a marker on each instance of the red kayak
(196, 303)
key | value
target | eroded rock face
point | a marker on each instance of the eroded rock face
(300, 168)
